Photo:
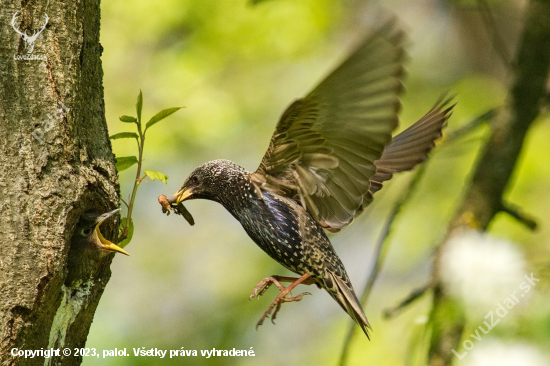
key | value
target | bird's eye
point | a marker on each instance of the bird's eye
(194, 180)
(87, 231)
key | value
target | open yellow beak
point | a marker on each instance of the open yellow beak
(102, 242)
(183, 194)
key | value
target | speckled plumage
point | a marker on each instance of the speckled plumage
(331, 151)
(279, 226)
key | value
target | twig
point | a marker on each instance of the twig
(127, 228)
(517, 213)
(416, 294)
(137, 181)
(380, 255)
(498, 43)
(126, 204)
(470, 126)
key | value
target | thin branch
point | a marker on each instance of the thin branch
(470, 126)
(517, 213)
(380, 255)
(136, 181)
(126, 204)
(412, 297)
(498, 43)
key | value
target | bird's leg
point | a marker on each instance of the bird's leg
(281, 298)
(264, 284)
(276, 280)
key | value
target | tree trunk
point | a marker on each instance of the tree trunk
(55, 164)
(484, 198)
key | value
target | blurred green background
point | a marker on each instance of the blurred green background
(236, 66)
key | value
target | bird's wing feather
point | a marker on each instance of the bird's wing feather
(324, 147)
(411, 146)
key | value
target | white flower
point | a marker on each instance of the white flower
(493, 352)
(482, 270)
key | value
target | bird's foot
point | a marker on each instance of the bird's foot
(281, 298)
(266, 283)
(276, 304)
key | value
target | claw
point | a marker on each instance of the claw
(275, 306)
(264, 284)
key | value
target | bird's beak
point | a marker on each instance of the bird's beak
(183, 194)
(102, 242)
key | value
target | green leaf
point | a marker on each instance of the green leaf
(124, 162)
(161, 115)
(156, 175)
(127, 119)
(124, 135)
(126, 241)
(139, 105)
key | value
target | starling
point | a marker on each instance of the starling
(88, 246)
(331, 151)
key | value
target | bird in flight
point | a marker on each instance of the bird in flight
(331, 151)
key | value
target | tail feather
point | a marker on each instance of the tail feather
(345, 296)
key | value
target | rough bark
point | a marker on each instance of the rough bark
(484, 198)
(53, 167)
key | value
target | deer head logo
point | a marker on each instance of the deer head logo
(29, 40)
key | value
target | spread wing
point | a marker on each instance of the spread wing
(325, 145)
(411, 146)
